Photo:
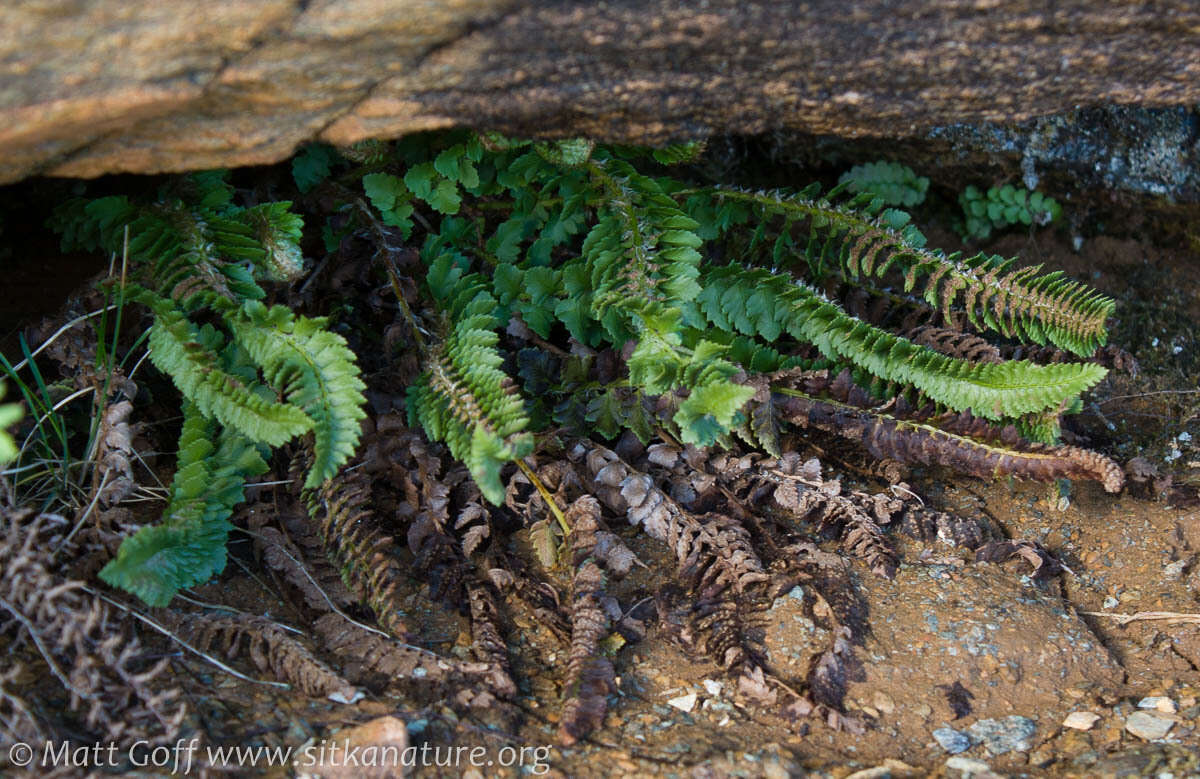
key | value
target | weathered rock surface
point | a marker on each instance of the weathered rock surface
(95, 86)
(1148, 152)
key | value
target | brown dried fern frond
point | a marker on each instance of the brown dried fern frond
(487, 642)
(396, 660)
(713, 553)
(590, 675)
(801, 491)
(112, 683)
(955, 343)
(960, 441)
(18, 723)
(272, 649)
(307, 570)
(354, 542)
(795, 487)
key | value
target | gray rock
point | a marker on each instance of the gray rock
(998, 736)
(952, 740)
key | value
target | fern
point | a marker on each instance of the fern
(262, 376)
(189, 355)
(860, 238)
(571, 240)
(896, 184)
(9, 414)
(462, 397)
(757, 302)
(641, 254)
(315, 371)
(188, 546)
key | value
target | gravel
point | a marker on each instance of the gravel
(952, 740)
(998, 736)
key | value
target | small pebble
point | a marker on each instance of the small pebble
(713, 687)
(977, 769)
(1148, 726)
(1174, 571)
(684, 702)
(878, 772)
(951, 740)
(1159, 703)
(884, 702)
(1080, 720)
(1011, 734)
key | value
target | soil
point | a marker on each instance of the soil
(953, 646)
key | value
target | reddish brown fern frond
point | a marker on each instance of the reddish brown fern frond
(590, 675)
(714, 552)
(487, 642)
(960, 441)
(397, 661)
(955, 343)
(109, 677)
(354, 542)
(271, 649)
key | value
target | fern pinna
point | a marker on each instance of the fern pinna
(572, 244)
(252, 376)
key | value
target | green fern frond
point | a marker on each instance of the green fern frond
(569, 153)
(641, 255)
(194, 252)
(188, 547)
(679, 153)
(190, 356)
(9, 414)
(315, 371)
(275, 233)
(463, 397)
(897, 184)
(759, 303)
(862, 238)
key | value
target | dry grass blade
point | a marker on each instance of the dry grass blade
(1171, 617)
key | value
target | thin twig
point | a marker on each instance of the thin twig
(1149, 394)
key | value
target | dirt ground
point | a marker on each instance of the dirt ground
(966, 669)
